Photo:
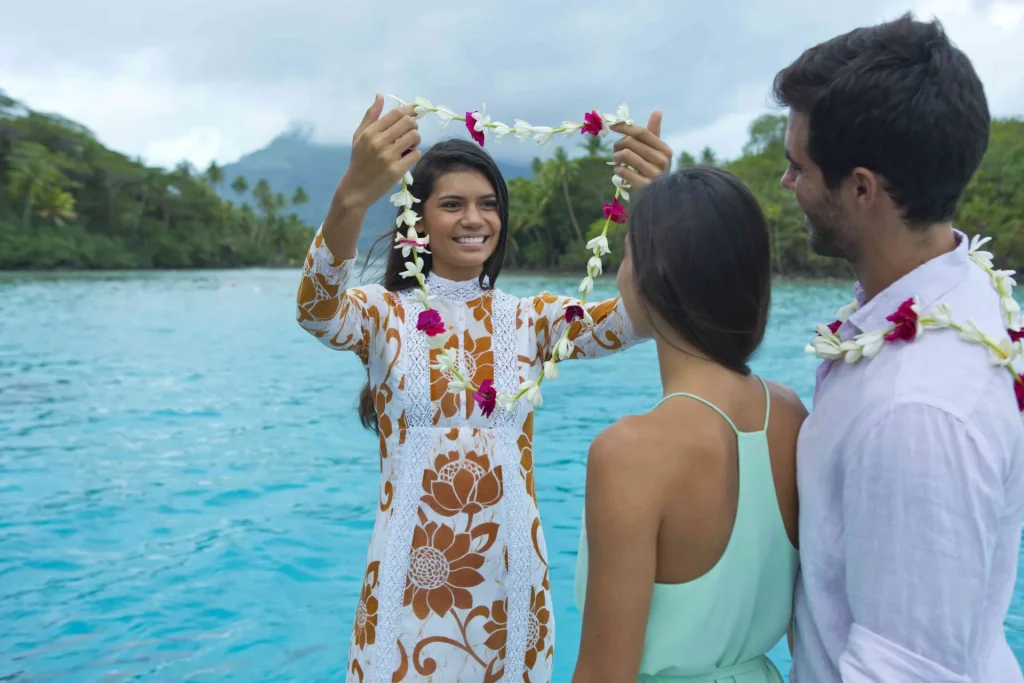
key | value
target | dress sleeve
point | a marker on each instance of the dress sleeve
(342, 318)
(610, 331)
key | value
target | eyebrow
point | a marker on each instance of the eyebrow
(451, 195)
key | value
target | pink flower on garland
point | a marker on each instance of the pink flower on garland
(834, 327)
(905, 320)
(486, 397)
(429, 322)
(477, 135)
(592, 123)
(615, 212)
(573, 313)
(1016, 335)
(1018, 387)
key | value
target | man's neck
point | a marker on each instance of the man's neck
(883, 262)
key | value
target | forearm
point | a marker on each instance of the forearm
(343, 224)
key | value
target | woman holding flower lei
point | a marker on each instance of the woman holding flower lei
(456, 585)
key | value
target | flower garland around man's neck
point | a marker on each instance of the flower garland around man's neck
(908, 324)
(430, 323)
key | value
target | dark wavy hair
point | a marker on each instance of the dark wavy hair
(899, 99)
(702, 262)
(447, 156)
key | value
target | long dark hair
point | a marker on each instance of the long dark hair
(447, 156)
(702, 262)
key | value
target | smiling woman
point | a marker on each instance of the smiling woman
(456, 585)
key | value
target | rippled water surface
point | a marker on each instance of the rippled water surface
(185, 493)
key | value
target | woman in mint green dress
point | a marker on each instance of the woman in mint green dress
(687, 557)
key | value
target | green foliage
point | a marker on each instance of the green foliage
(66, 201)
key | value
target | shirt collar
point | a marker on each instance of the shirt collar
(454, 290)
(928, 282)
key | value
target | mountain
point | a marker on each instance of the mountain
(292, 160)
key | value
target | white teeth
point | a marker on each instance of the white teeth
(469, 240)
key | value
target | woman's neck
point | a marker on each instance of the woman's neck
(455, 273)
(684, 369)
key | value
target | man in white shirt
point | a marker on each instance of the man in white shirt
(911, 465)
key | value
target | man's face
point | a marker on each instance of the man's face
(828, 227)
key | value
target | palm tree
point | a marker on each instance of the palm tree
(596, 147)
(565, 168)
(240, 185)
(300, 197)
(214, 175)
(707, 157)
(685, 160)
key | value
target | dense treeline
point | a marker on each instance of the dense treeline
(68, 201)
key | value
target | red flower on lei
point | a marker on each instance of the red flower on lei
(834, 327)
(477, 135)
(429, 322)
(1016, 335)
(592, 123)
(1018, 387)
(615, 212)
(573, 313)
(486, 397)
(905, 321)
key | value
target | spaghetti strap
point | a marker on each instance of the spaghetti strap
(709, 404)
(767, 402)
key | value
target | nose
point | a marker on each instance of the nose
(472, 218)
(788, 179)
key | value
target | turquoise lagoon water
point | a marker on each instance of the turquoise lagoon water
(185, 493)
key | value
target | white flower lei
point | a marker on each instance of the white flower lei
(479, 124)
(909, 324)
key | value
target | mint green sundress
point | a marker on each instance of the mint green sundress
(719, 627)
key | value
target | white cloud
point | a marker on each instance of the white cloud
(217, 79)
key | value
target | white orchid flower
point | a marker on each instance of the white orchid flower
(422, 107)
(531, 392)
(941, 316)
(408, 217)
(411, 241)
(846, 311)
(594, 266)
(446, 115)
(414, 269)
(543, 134)
(826, 344)
(403, 198)
(1004, 281)
(571, 127)
(446, 360)
(871, 343)
(482, 119)
(599, 245)
(501, 130)
(401, 102)
(522, 129)
(550, 370)
(1002, 354)
(587, 285)
(982, 258)
(564, 348)
(852, 351)
(1009, 306)
(972, 333)
(418, 296)
(506, 401)
(459, 386)
(438, 341)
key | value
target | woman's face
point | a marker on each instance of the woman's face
(630, 296)
(463, 220)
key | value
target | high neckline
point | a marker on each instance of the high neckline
(454, 290)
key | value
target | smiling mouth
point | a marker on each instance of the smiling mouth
(480, 239)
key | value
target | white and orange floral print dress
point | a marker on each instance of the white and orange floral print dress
(456, 584)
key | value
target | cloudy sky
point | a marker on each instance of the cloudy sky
(214, 79)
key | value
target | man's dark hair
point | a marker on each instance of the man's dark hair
(899, 99)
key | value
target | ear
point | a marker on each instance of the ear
(865, 186)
